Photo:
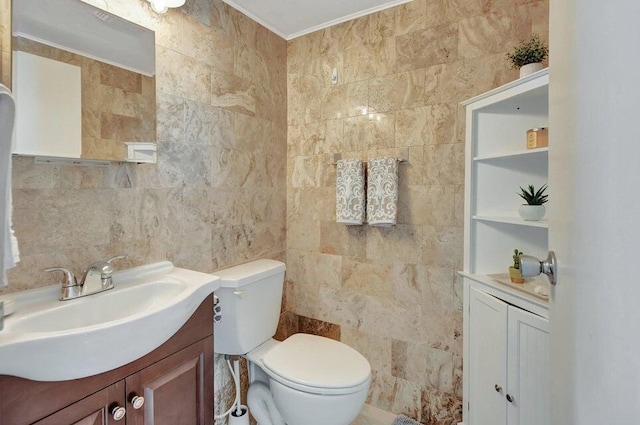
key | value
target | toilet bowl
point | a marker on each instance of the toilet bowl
(303, 380)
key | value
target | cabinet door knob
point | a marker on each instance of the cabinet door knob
(498, 388)
(510, 398)
(117, 411)
(136, 400)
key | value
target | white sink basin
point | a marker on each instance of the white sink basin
(51, 340)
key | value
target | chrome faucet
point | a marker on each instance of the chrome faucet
(97, 278)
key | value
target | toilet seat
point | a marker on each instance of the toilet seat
(317, 365)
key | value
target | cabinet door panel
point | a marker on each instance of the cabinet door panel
(92, 410)
(528, 372)
(177, 390)
(487, 359)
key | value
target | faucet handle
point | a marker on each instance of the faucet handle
(104, 268)
(70, 279)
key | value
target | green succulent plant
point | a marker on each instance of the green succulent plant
(532, 196)
(527, 52)
(516, 258)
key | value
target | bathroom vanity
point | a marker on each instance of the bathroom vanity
(175, 381)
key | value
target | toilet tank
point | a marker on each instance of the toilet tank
(250, 298)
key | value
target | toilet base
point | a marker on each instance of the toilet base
(301, 408)
(262, 406)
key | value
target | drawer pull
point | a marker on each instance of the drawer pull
(117, 411)
(136, 401)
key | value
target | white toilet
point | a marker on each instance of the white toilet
(304, 380)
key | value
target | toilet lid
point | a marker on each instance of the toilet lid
(316, 361)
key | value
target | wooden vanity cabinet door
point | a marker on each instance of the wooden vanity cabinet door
(176, 390)
(92, 410)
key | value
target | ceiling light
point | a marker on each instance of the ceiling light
(161, 6)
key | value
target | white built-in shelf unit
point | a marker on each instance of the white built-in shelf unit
(497, 164)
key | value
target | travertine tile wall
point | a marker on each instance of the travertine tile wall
(393, 292)
(217, 196)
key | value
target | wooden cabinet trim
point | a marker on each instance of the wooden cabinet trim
(96, 404)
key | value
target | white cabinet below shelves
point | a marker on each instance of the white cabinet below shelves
(506, 363)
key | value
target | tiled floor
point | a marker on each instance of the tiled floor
(373, 416)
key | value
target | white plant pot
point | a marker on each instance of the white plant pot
(530, 68)
(532, 212)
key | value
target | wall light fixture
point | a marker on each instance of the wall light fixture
(161, 6)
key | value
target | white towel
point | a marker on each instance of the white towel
(350, 195)
(382, 192)
(9, 244)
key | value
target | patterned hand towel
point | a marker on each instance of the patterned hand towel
(350, 195)
(382, 192)
(404, 420)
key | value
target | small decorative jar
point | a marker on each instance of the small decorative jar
(537, 138)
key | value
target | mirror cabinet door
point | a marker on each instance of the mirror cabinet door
(78, 97)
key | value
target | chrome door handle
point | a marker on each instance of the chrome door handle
(530, 266)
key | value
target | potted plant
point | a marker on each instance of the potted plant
(534, 209)
(528, 56)
(514, 271)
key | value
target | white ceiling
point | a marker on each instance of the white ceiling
(293, 18)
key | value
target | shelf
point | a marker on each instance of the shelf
(513, 220)
(514, 292)
(526, 153)
(537, 79)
